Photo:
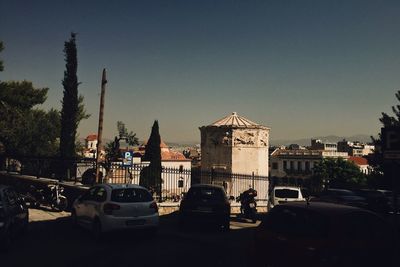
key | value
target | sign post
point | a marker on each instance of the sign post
(390, 137)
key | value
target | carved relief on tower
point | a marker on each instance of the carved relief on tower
(244, 138)
(264, 138)
(218, 137)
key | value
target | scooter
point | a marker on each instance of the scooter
(50, 196)
(248, 205)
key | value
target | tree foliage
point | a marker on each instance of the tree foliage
(73, 110)
(1, 61)
(378, 179)
(24, 130)
(113, 148)
(151, 175)
(338, 173)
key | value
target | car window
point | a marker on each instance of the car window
(129, 195)
(90, 195)
(100, 195)
(343, 193)
(206, 193)
(286, 193)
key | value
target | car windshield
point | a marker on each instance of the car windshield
(205, 193)
(286, 193)
(128, 195)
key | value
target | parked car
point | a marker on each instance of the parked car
(341, 196)
(108, 207)
(323, 234)
(14, 215)
(389, 196)
(376, 201)
(205, 204)
(283, 194)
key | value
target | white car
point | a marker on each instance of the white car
(283, 194)
(108, 207)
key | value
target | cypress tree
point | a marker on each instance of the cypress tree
(70, 102)
(151, 176)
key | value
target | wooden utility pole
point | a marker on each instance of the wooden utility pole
(100, 129)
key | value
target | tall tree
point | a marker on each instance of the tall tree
(73, 110)
(378, 178)
(70, 108)
(151, 176)
(18, 118)
(1, 61)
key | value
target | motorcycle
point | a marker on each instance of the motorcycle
(248, 205)
(50, 196)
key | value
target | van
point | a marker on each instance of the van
(283, 194)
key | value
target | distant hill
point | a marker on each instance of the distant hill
(330, 138)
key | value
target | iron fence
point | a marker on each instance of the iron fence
(174, 182)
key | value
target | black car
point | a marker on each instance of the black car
(14, 215)
(376, 201)
(341, 196)
(205, 204)
(318, 234)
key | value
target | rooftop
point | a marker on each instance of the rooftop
(236, 121)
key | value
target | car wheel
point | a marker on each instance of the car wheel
(25, 226)
(74, 219)
(182, 223)
(96, 229)
(226, 226)
(6, 241)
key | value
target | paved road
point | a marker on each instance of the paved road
(52, 241)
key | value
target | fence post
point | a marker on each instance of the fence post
(212, 176)
(252, 180)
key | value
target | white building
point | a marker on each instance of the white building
(91, 146)
(362, 164)
(236, 145)
(299, 163)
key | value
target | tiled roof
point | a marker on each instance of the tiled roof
(173, 155)
(359, 160)
(234, 120)
(91, 137)
(162, 144)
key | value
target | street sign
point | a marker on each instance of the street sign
(391, 142)
(127, 158)
(390, 138)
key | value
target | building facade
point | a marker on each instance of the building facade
(299, 163)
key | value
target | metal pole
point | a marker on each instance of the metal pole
(100, 129)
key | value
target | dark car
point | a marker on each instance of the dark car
(205, 204)
(341, 196)
(376, 201)
(323, 234)
(14, 215)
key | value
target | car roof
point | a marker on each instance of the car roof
(327, 209)
(339, 190)
(207, 186)
(287, 187)
(123, 186)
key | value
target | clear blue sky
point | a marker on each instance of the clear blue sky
(303, 68)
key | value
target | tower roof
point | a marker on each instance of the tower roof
(234, 120)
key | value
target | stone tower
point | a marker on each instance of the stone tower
(236, 145)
